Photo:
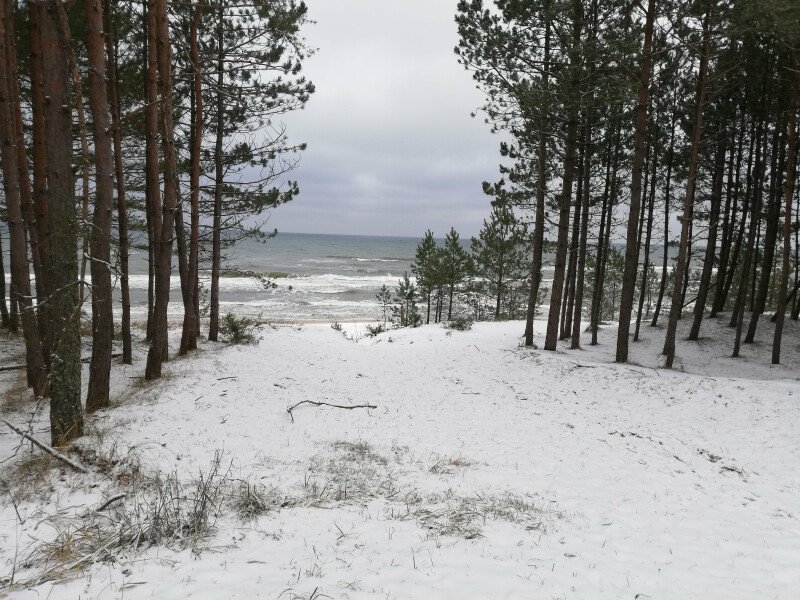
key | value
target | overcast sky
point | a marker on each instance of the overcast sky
(392, 149)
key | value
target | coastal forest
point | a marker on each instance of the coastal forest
(646, 196)
(630, 131)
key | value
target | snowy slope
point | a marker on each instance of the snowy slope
(487, 470)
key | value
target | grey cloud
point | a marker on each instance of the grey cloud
(392, 147)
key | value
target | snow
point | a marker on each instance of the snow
(574, 477)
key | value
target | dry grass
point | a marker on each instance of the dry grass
(448, 466)
(252, 500)
(163, 509)
(464, 516)
(29, 478)
(18, 396)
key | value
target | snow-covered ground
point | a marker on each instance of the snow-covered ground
(487, 470)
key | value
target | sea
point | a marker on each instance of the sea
(294, 277)
(311, 277)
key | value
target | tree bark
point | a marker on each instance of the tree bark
(190, 324)
(77, 100)
(728, 220)
(755, 179)
(791, 158)
(538, 231)
(565, 199)
(575, 342)
(594, 311)
(16, 227)
(605, 242)
(152, 187)
(639, 138)
(677, 295)
(39, 193)
(572, 264)
(770, 237)
(711, 242)
(219, 180)
(157, 353)
(667, 199)
(66, 416)
(647, 239)
(119, 169)
(102, 307)
(3, 299)
(742, 229)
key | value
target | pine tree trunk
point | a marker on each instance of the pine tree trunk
(219, 179)
(152, 188)
(190, 324)
(575, 342)
(66, 415)
(639, 138)
(157, 354)
(728, 221)
(606, 241)
(16, 226)
(13, 315)
(122, 204)
(770, 237)
(499, 283)
(791, 158)
(739, 306)
(3, 300)
(796, 307)
(29, 219)
(571, 281)
(182, 251)
(711, 242)
(677, 296)
(39, 192)
(565, 199)
(742, 230)
(450, 302)
(77, 98)
(594, 311)
(755, 188)
(538, 231)
(667, 199)
(26, 194)
(647, 239)
(102, 308)
(428, 314)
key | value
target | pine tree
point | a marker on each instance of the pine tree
(455, 266)
(405, 312)
(257, 50)
(384, 298)
(425, 269)
(499, 254)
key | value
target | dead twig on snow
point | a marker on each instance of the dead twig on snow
(316, 403)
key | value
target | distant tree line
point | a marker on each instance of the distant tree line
(131, 120)
(629, 122)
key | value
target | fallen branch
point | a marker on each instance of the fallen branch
(46, 448)
(315, 403)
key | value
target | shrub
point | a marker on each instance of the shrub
(336, 326)
(459, 324)
(373, 330)
(237, 330)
